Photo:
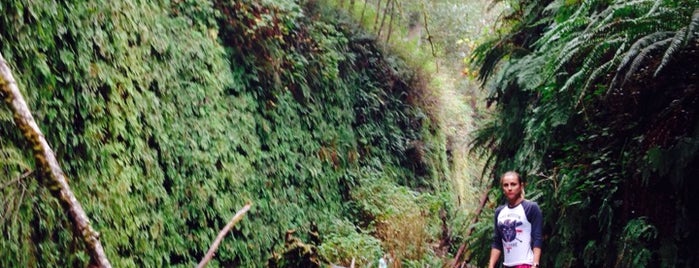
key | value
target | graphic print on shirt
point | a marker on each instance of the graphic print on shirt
(509, 231)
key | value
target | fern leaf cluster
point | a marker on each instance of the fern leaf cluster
(168, 116)
(603, 84)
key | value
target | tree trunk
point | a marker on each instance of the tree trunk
(390, 21)
(363, 10)
(376, 18)
(386, 12)
(48, 166)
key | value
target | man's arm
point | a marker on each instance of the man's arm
(494, 256)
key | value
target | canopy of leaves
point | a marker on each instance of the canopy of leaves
(596, 105)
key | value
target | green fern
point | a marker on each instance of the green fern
(645, 53)
(599, 72)
(487, 56)
(635, 242)
(11, 158)
(623, 69)
(551, 97)
(594, 57)
(679, 41)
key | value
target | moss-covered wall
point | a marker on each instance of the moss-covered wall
(169, 116)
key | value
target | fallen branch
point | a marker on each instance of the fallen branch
(477, 213)
(209, 255)
(48, 166)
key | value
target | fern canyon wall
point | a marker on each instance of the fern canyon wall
(169, 116)
(596, 102)
(346, 132)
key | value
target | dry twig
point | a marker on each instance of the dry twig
(210, 254)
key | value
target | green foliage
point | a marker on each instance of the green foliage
(404, 221)
(634, 250)
(341, 250)
(479, 241)
(590, 96)
(169, 116)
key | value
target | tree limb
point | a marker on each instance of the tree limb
(483, 202)
(209, 255)
(47, 165)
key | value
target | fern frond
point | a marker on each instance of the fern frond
(623, 9)
(487, 56)
(633, 52)
(5, 116)
(554, 7)
(636, 64)
(676, 45)
(621, 25)
(625, 18)
(693, 26)
(501, 82)
(569, 28)
(567, 53)
(530, 75)
(605, 67)
(573, 80)
(597, 73)
(602, 49)
(10, 156)
(680, 40)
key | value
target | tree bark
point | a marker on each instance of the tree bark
(386, 12)
(210, 254)
(376, 18)
(390, 21)
(49, 168)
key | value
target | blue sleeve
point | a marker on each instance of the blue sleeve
(534, 216)
(497, 239)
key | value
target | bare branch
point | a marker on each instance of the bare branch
(209, 255)
(477, 213)
(18, 179)
(47, 165)
(427, 29)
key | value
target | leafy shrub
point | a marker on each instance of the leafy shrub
(364, 249)
(403, 219)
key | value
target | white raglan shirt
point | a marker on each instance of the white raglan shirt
(515, 231)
